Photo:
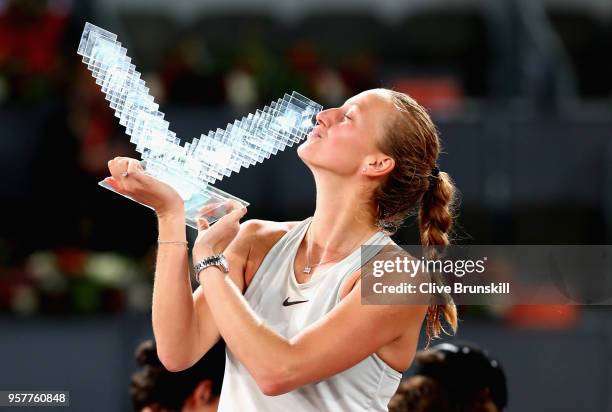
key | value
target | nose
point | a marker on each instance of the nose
(326, 117)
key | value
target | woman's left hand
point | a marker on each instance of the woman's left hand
(214, 239)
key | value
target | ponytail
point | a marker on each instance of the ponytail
(416, 187)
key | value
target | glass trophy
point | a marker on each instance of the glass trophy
(191, 169)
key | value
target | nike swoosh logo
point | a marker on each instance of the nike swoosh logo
(295, 302)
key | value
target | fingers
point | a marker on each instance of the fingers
(117, 167)
(124, 172)
(202, 223)
(201, 220)
(235, 215)
(234, 212)
(134, 168)
(114, 184)
(230, 207)
(206, 209)
(239, 213)
(136, 174)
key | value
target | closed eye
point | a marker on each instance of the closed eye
(347, 117)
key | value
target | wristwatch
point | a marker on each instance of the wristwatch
(214, 260)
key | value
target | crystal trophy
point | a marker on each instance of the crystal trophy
(191, 169)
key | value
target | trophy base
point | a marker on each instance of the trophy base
(208, 196)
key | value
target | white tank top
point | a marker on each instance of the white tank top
(367, 386)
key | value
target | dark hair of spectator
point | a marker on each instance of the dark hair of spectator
(155, 385)
(452, 378)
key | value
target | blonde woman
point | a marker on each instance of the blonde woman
(289, 306)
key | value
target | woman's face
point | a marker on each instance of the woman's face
(344, 140)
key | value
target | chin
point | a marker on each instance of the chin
(315, 158)
(304, 151)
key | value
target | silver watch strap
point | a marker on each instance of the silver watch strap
(214, 260)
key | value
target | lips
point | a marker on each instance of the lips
(315, 134)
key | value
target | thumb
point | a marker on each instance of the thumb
(114, 184)
(235, 215)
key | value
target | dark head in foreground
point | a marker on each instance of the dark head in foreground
(154, 389)
(453, 378)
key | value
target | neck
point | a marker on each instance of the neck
(342, 220)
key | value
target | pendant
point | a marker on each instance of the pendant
(307, 269)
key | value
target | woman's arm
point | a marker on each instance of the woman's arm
(176, 324)
(182, 323)
(345, 336)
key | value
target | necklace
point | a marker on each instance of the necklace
(308, 267)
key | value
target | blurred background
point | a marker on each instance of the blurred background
(521, 91)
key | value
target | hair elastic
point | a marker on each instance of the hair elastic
(433, 177)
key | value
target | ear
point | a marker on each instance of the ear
(202, 394)
(379, 165)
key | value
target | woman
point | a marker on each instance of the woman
(290, 308)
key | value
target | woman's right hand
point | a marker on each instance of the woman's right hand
(213, 240)
(142, 187)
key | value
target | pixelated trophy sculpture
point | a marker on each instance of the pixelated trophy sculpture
(192, 168)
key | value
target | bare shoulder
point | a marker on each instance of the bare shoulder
(265, 228)
(261, 235)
